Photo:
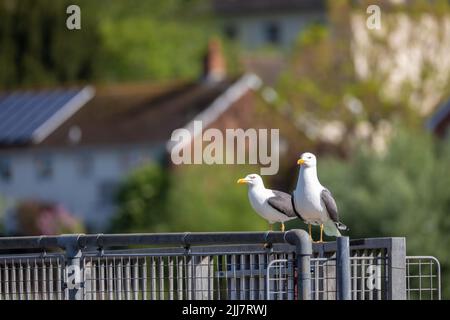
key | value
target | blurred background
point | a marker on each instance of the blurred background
(86, 115)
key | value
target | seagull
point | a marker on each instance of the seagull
(314, 202)
(272, 205)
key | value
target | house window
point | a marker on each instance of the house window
(44, 168)
(5, 169)
(272, 33)
(230, 32)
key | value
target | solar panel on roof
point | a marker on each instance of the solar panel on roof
(29, 116)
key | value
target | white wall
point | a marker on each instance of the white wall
(81, 195)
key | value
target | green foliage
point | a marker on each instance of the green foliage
(118, 41)
(153, 40)
(190, 198)
(37, 48)
(207, 198)
(405, 193)
(141, 199)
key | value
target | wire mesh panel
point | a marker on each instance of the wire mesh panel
(32, 277)
(423, 278)
(178, 277)
(280, 280)
(368, 276)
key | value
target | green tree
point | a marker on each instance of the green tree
(207, 198)
(36, 48)
(403, 193)
(141, 200)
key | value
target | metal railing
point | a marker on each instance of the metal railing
(206, 266)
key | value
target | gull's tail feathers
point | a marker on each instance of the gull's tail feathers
(331, 229)
(342, 226)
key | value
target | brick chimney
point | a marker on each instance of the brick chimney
(214, 67)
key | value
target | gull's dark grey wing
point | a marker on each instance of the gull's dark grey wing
(332, 209)
(282, 202)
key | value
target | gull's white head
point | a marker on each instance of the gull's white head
(307, 159)
(252, 180)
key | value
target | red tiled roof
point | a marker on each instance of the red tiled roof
(143, 113)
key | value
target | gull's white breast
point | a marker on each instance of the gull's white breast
(308, 203)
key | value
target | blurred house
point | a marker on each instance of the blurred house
(258, 23)
(74, 146)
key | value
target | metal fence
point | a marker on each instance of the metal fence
(206, 266)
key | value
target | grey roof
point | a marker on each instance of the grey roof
(30, 116)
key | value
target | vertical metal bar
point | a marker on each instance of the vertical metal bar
(179, 278)
(262, 286)
(94, 269)
(136, 278)
(127, 279)
(110, 277)
(21, 281)
(363, 275)
(144, 279)
(232, 268)
(242, 287)
(44, 280)
(290, 277)
(210, 277)
(343, 268)
(397, 269)
(50, 282)
(36, 280)
(74, 268)
(219, 275)
(118, 267)
(101, 280)
(189, 276)
(252, 277)
(152, 278)
(6, 280)
(171, 286)
(27, 280)
(13, 280)
(59, 279)
(303, 251)
(161, 278)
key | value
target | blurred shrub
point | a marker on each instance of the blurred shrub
(188, 198)
(39, 218)
(406, 193)
(207, 198)
(141, 200)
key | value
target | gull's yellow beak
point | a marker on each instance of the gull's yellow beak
(242, 181)
(300, 161)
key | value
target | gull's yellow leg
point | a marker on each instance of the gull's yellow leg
(309, 229)
(321, 233)
(270, 227)
(282, 227)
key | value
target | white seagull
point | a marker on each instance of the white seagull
(313, 201)
(272, 205)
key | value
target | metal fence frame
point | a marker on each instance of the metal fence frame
(342, 263)
(77, 246)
